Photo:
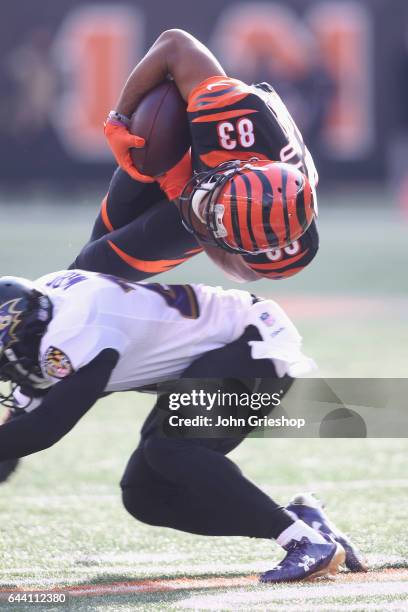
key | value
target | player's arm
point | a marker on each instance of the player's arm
(181, 56)
(59, 411)
(176, 53)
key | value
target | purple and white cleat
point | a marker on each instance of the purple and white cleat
(308, 508)
(306, 560)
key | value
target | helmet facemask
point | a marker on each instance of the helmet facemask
(19, 348)
(204, 219)
(20, 372)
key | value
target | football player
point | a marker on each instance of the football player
(74, 336)
(254, 218)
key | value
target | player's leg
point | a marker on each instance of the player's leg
(190, 485)
(126, 200)
(206, 493)
(198, 469)
(136, 237)
(235, 357)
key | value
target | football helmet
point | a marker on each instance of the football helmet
(248, 206)
(24, 316)
(308, 508)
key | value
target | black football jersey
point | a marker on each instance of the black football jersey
(232, 120)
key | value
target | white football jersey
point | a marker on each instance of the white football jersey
(158, 330)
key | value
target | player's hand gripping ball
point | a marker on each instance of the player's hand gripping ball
(121, 142)
(161, 120)
(156, 144)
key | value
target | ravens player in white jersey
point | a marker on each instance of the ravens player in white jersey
(73, 336)
(254, 218)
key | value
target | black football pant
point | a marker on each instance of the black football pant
(137, 234)
(188, 483)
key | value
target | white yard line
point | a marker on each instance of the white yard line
(150, 567)
(384, 606)
(245, 600)
(82, 579)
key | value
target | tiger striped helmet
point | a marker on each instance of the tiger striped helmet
(249, 207)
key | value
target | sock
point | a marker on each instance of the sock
(300, 530)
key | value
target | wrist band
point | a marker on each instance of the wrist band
(115, 116)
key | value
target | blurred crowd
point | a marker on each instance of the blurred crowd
(321, 56)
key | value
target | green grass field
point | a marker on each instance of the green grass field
(351, 305)
(62, 523)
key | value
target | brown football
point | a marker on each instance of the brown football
(161, 119)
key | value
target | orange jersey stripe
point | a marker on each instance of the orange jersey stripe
(150, 267)
(205, 83)
(216, 92)
(214, 158)
(104, 214)
(225, 115)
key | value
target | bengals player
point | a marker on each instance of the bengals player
(253, 217)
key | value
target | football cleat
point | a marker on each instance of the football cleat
(306, 560)
(309, 509)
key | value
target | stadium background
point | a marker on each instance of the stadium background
(342, 68)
